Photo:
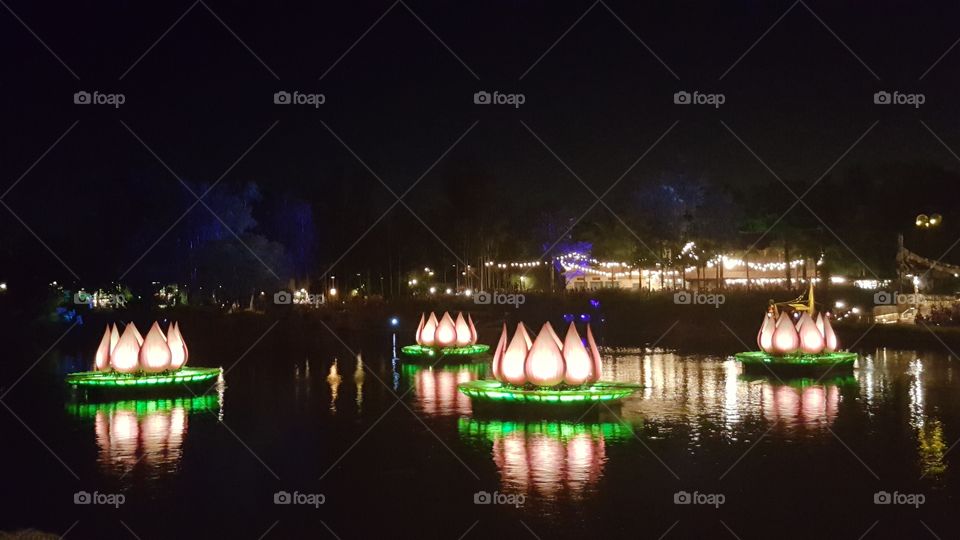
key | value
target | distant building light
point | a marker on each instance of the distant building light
(333, 291)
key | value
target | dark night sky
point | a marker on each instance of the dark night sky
(399, 98)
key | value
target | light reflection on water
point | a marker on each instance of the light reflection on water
(435, 387)
(545, 458)
(703, 401)
(144, 436)
(706, 394)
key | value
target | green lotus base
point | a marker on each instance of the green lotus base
(144, 407)
(842, 360)
(562, 430)
(421, 351)
(487, 391)
(143, 383)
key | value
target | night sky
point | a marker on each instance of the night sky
(598, 80)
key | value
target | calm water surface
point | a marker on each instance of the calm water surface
(785, 458)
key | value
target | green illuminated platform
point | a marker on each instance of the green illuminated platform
(799, 361)
(110, 382)
(421, 351)
(145, 407)
(496, 393)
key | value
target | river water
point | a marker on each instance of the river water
(702, 451)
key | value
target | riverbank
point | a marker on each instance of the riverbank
(622, 319)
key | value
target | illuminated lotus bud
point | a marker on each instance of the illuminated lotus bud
(579, 365)
(811, 341)
(155, 354)
(420, 328)
(595, 356)
(114, 337)
(473, 330)
(186, 351)
(446, 331)
(463, 331)
(556, 338)
(820, 323)
(178, 355)
(522, 330)
(498, 354)
(428, 334)
(136, 334)
(785, 337)
(829, 338)
(544, 365)
(101, 361)
(126, 354)
(513, 359)
(765, 337)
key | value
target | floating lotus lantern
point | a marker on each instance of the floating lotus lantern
(445, 336)
(807, 342)
(131, 360)
(546, 370)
